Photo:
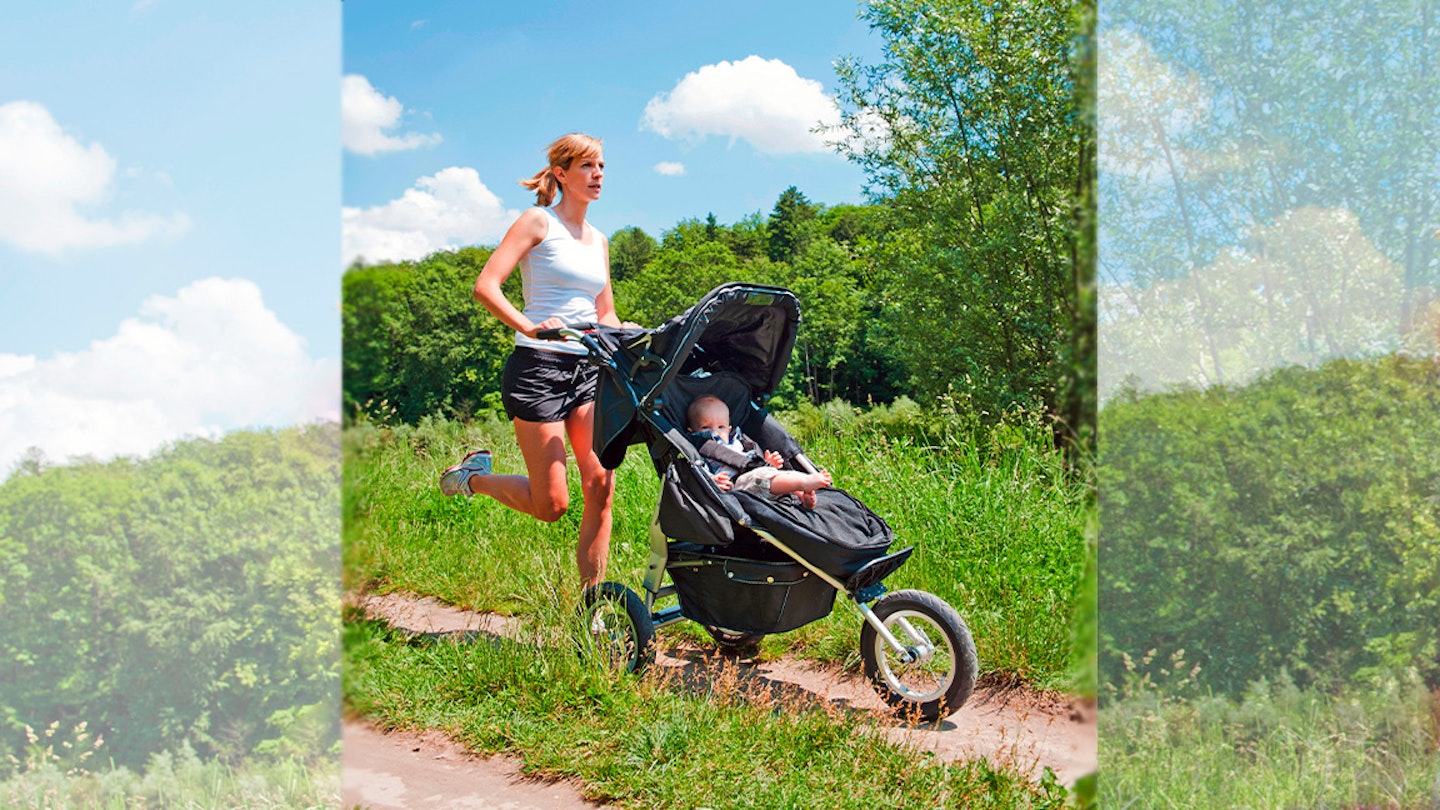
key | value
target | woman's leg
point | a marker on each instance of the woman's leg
(598, 486)
(543, 494)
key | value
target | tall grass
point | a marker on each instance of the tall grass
(176, 780)
(1168, 745)
(997, 526)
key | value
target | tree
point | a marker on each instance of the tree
(1236, 127)
(787, 230)
(178, 599)
(1291, 522)
(415, 339)
(630, 250)
(972, 133)
(675, 280)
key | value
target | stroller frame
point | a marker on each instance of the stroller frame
(907, 635)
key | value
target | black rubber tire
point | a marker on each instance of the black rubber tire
(734, 642)
(931, 688)
(616, 625)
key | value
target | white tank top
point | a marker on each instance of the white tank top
(561, 277)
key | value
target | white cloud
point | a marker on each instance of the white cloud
(670, 169)
(450, 209)
(209, 359)
(48, 178)
(763, 101)
(366, 114)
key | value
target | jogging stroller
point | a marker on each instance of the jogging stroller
(743, 565)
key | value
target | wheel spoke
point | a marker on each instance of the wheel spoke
(928, 677)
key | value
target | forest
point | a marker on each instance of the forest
(1267, 471)
(1289, 525)
(968, 277)
(184, 601)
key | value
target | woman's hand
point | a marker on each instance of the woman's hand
(774, 459)
(548, 323)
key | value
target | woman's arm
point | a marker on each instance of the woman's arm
(525, 234)
(605, 301)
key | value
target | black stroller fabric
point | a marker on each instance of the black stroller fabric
(747, 595)
(734, 344)
(839, 536)
(746, 329)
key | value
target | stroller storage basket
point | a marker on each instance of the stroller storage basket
(748, 596)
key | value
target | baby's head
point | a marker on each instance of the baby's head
(709, 413)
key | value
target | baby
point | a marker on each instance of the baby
(737, 462)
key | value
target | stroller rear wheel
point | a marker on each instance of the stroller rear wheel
(618, 626)
(936, 673)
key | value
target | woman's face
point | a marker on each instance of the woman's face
(583, 178)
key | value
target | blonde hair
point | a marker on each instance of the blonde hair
(565, 149)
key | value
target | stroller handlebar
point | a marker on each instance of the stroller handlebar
(570, 331)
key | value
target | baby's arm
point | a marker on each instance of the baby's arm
(722, 480)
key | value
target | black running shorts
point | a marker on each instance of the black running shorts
(541, 386)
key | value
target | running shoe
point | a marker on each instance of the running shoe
(456, 480)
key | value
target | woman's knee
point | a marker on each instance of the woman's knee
(552, 507)
(598, 487)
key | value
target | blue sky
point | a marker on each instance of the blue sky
(483, 88)
(172, 219)
(169, 195)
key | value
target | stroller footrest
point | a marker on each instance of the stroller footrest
(876, 570)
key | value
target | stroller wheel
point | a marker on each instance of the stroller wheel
(936, 673)
(734, 642)
(618, 627)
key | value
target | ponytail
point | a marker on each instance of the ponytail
(565, 149)
(544, 185)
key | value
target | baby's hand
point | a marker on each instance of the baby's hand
(774, 459)
(722, 480)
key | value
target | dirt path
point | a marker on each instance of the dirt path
(402, 770)
(1009, 727)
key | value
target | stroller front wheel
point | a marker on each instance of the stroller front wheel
(617, 626)
(936, 673)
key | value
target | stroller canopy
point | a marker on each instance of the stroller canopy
(746, 329)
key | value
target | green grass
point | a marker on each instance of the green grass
(698, 738)
(1276, 746)
(999, 536)
(177, 781)
(998, 531)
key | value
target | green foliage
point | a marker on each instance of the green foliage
(788, 229)
(1273, 177)
(416, 342)
(971, 134)
(188, 597)
(630, 251)
(676, 278)
(1289, 524)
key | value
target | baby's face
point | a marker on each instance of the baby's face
(715, 420)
